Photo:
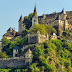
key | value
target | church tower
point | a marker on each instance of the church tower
(21, 25)
(35, 17)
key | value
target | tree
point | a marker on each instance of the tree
(50, 30)
(38, 27)
(28, 20)
(3, 55)
(25, 32)
(54, 12)
(9, 45)
(34, 68)
(24, 41)
(38, 52)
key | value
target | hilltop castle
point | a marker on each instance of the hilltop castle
(61, 20)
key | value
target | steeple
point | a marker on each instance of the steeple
(35, 12)
(63, 11)
(21, 18)
(35, 17)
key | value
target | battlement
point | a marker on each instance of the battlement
(12, 58)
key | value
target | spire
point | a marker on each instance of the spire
(63, 11)
(35, 12)
(21, 18)
(35, 9)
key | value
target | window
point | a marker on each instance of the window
(16, 55)
(16, 50)
(34, 20)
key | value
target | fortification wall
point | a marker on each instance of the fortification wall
(12, 62)
(26, 46)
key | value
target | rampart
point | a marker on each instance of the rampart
(12, 62)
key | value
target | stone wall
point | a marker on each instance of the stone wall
(37, 38)
(27, 46)
(12, 62)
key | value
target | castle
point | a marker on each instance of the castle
(61, 21)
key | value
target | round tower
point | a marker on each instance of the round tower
(21, 25)
(64, 14)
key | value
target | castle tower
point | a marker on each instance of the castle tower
(35, 17)
(28, 56)
(66, 25)
(21, 25)
(16, 51)
(64, 15)
(60, 27)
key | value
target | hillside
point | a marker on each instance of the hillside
(49, 56)
(52, 56)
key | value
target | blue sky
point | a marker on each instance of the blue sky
(11, 10)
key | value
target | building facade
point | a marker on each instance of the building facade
(35, 17)
(54, 36)
(28, 56)
(0, 46)
(37, 37)
(61, 21)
